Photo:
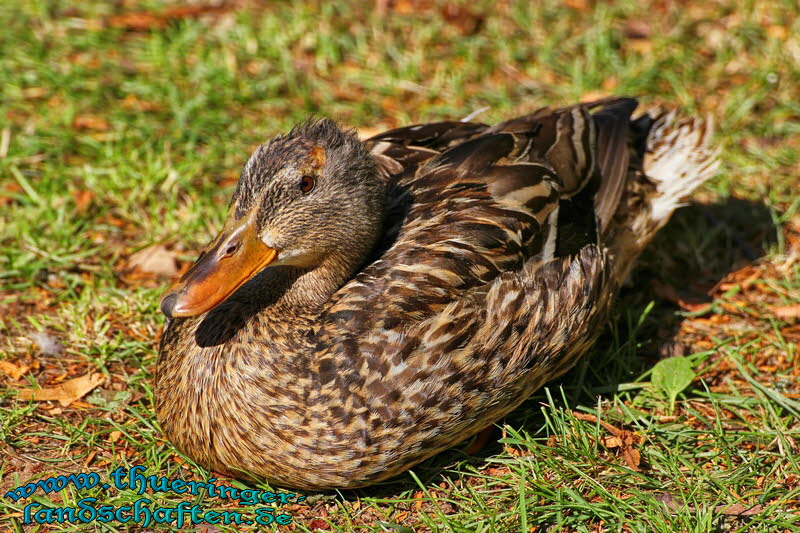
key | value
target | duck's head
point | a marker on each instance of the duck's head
(308, 199)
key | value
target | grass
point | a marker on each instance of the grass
(116, 137)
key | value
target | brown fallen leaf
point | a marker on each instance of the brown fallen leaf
(579, 5)
(64, 393)
(744, 277)
(83, 199)
(403, 7)
(621, 438)
(137, 21)
(738, 509)
(786, 311)
(636, 29)
(632, 457)
(777, 32)
(156, 260)
(10, 193)
(144, 20)
(670, 501)
(317, 525)
(132, 102)
(418, 503)
(13, 371)
(90, 122)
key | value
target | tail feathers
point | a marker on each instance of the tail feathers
(679, 158)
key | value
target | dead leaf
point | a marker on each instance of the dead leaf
(632, 457)
(670, 501)
(144, 20)
(83, 199)
(13, 371)
(621, 438)
(418, 503)
(404, 7)
(90, 122)
(777, 32)
(318, 524)
(786, 311)
(137, 21)
(580, 5)
(64, 393)
(497, 471)
(114, 436)
(9, 193)
(132, 102)
(156, 260)
(738, 509)
(636, 29)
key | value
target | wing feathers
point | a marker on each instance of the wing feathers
(472, 202)
(613, 125)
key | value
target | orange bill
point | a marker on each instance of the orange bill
(234, 257)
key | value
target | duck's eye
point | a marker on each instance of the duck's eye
(307, 184)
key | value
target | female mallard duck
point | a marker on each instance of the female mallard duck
(369, 304)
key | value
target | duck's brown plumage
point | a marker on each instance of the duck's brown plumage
(451, 269)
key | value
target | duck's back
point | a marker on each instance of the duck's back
(469, 202)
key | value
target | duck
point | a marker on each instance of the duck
(370, 303)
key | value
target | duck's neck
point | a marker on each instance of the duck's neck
(304, 291)
(291, 291)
